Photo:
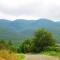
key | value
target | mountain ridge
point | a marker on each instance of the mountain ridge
(20, 29)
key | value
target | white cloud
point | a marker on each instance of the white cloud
(30, 9)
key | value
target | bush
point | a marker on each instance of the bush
(7, 55)
(25, 47)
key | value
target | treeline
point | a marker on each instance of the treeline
(41, 41)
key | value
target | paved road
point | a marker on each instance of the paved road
(39, 57)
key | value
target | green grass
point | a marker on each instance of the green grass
(52, 53)
(20, 56)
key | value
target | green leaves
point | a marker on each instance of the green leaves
(41, 41)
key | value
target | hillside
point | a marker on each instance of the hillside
(21, 29)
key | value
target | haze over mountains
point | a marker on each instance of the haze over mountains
(20, 29)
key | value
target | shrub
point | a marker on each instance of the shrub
(7, 55)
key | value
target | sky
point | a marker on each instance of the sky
(30, 9)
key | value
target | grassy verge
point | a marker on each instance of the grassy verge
(20, 56)
(51, 53)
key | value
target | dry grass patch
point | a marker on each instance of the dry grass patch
(7, 55)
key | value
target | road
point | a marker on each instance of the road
(39, 57)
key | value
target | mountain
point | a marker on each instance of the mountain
(20, 29)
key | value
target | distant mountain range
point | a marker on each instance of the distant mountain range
(20, 29)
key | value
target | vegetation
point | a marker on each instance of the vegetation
(51, 53)
(7, 51)
(10, 56)
(20, 56)
(41, 41)
(25, 47)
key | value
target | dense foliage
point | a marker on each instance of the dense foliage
(41, 41)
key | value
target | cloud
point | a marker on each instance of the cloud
(30, 9)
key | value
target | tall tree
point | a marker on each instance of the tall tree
(42, 40)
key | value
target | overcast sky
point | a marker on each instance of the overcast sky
(30, 9)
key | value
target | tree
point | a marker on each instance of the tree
(25, 47)
(42, 40)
